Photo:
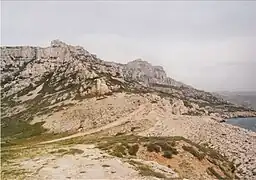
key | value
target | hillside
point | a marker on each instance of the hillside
(62, 94)
(247, 99)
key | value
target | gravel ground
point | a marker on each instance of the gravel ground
(236, 143)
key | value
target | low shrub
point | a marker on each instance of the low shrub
(212, 171)
(194, 152)
(119, 151)
(132, 150)
(165, 146)
(151, 147)
(167, 154)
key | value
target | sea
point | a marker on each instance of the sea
(247, 123)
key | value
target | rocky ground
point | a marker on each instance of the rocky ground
(86, 162)
(79, 162)
(118, 157)
(158, 119)
(234, 142)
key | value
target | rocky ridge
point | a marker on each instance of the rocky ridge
(73, 70)
(37, 82)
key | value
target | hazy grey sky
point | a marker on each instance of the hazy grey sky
(210, 45)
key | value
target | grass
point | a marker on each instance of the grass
(119, 150)
(211, 171)
(145, 170)
(13, 174)
(165, 145)
(19, 129)
(123, 146)
(30, 140)
(223, 169)
(73, 151)
(59, 151)
(194, 152)
(11, 153)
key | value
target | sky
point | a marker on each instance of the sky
(210, 45)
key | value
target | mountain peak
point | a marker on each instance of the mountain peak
(58, 43)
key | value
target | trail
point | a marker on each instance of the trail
(110, 125)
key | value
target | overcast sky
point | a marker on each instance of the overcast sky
(209, 45)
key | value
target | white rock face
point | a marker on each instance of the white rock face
(146, 73)
(178, 107)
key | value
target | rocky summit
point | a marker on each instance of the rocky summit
(79, 117)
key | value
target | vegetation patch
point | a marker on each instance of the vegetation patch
(128, 146)
(18, 129)
(151, 147)
(187, 104)
(211, 171)
(166, 145)
(167, 154)
(145, 170)
(59, 151)
(17, 173)
(73, 151)
(159, 146)
(194, 152)
(133, 149)
(119, 150)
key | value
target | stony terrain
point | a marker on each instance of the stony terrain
(116, 157)
(64, 94)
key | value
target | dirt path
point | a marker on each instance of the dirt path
(110, 125)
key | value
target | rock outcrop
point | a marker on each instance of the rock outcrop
(147, 74)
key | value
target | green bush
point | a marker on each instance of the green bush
(151, 147)
(165, 146)
(132, 150)
(119, 151)
(167, 154)
(194, 152)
